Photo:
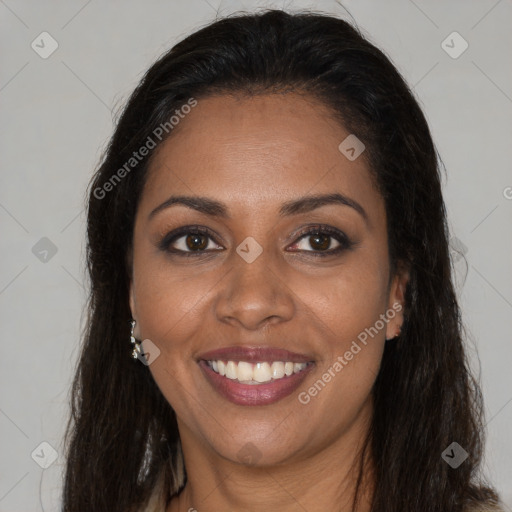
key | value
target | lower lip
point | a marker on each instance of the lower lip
(254, 394)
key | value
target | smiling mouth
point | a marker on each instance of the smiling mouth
(252, 375)
(256, 373)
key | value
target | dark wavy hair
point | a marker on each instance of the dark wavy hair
(122, 437)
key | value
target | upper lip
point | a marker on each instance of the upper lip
(253, 354)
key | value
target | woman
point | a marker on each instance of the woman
(267, 228)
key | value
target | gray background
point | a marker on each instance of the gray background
(57, 115)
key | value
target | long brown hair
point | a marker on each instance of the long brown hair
(122, 434)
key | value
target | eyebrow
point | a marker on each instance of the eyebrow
(303, 204)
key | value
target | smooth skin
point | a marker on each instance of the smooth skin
(253, 155)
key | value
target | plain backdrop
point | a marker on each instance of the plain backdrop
(57, 116)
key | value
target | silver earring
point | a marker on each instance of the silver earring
(136, 344)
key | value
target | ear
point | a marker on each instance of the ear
(133, 308)
(132, 301)
(131, 293)
(396, 302)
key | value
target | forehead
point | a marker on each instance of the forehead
(255, 151)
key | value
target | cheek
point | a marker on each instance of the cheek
(169, 310)
(347, 308)
(169, 297)
(170, 315)
(348, 301)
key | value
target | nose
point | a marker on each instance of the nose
(253, 295)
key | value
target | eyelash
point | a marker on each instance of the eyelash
(339, 236)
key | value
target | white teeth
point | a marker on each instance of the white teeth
(297, 367)
(277, 370)
(262, 372)
(245, 371)
(231, 370)
(257, 373)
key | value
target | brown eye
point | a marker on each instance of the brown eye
(196, 242)
(188, 241)
(321, 241)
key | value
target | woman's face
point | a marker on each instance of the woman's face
(256, 285)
